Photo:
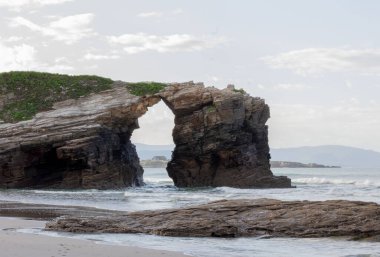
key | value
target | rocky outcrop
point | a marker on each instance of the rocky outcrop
(220, 138)
(220, 135)
(82, 143)
(238, 218)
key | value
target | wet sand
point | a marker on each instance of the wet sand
(16, 244)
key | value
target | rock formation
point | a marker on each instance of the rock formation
(82, 143)
(238, 218)
(221, 138)
(220, 135)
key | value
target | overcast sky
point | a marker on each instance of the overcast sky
(317, 63)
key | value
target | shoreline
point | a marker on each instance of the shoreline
(18, 244)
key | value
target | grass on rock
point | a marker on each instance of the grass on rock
(145, 88)
(23, 94)
(241, 91)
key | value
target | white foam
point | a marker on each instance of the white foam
(322, 180)
(158, 180)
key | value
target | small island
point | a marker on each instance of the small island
(283, 164)
(162, 161)
(155, 162)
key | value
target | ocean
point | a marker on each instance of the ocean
(159, 192)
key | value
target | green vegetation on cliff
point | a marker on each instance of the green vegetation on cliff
(145, 88)
(23, 94)
(241, 91)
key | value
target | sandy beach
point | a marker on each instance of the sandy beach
(16, 244)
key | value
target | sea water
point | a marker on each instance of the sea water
(159, 192)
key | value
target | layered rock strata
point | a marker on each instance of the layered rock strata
(220, 138)
(220, 135)
(240, 218)
(83, 143)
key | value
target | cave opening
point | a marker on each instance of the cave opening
(154, 143)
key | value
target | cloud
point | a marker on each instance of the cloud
(56, 68)
(150, 14)
(141, 42)
(24, 57)
(13, 39)
(155, 126)
(47, 2)
(69, 29)
(316, 61)
(177, 11)
(16, 5)
(291, 87)
(284, 87)
(61, 64)
(215, 78)
(96, 57)
(18, 57)
(157, 14)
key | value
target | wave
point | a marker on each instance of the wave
(158, 180)
(319, 180)
(74, 192)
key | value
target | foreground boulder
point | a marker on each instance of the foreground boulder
(240, 218)
(220, 135)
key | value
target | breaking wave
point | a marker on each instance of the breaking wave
(336, 181)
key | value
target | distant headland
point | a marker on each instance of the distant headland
(162, 161)
(282, 164)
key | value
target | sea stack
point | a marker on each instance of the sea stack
(220, 138)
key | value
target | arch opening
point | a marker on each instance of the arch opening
(154, 143)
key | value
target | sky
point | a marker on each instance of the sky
(315, 62)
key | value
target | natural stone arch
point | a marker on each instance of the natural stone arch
(220, 136)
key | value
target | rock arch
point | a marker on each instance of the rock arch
(220, 135)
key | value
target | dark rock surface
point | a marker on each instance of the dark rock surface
(83, 143)
(221, 139)
(239, 218)
(220, 135)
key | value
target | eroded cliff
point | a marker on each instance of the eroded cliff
(83, 143)
(220, 135)
(221, 138)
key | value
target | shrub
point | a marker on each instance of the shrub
(145, 88)
(241, 91)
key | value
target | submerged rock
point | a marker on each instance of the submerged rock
(220, 135)
(240, 218)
